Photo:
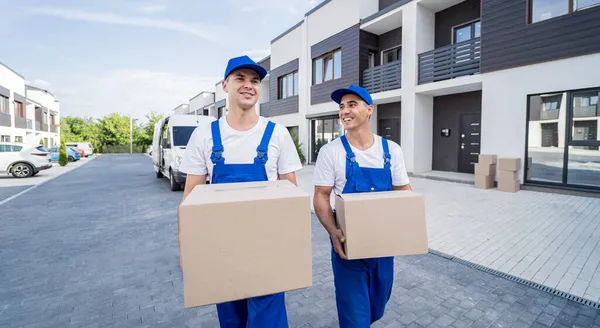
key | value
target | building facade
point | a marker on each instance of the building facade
(27, 114)
(450, 80)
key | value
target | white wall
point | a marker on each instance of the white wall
(368, 8)
(504, 99)
(287, 48)
(331, 19)
(196, 103)
(219, 93)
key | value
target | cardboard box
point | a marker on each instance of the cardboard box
(509, 185)
(487, 159)
(380, 224)
(509, 164)
(484, 181)
(485, 169)
(240, 240)
(508, 175)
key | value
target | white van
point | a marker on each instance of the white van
(171, 135)
(85, 146)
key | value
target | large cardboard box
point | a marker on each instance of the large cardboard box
(380, 224)
(485, 169)
(240, 240)
(484, 181)
(508, 185)
(487, 159)
(508, 175)
(509, 164)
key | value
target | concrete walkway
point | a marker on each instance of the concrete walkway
(550, 239)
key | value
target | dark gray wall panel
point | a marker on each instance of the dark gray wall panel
(389, 110)
(390, 39)
(348, 40)
(386, 3)
(447, 111)
(4, 91)
(219, 103)
(281, 106)
(266, 63)
(4, 119)
(20, 99)
(508, 41)
(369, 42)
(445, 20)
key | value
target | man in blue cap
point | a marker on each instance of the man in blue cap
(359, 161)
(242, 147)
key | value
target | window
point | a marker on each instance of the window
(391, 55)
(327, 67)
(467, 32)
(19, 109)
(18, 139)
(288, 85)
(4, 138)
(540, 10)
(552, 103)
(4, 105)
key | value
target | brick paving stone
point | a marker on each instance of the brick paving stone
(118, 265)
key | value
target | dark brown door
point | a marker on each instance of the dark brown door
(389, 128)
(469, 145)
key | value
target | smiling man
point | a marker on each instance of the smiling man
(243, 147)
(360, 157)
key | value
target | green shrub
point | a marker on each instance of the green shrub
(298, 147)
(63, 159)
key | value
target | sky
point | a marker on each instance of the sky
(136, 56)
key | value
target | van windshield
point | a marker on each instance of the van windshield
(181, 135)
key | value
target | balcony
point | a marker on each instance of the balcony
(549, 115)
(20, 122)
(29, 124)
(585, 111)
(38, 125)
(455, 60)
(383, 77)
(52, 128)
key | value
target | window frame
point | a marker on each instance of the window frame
(398, 50)
(282, 93)
(329, 55)
(6, 108)
(571, 11)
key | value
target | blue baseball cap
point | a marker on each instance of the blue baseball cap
(244, 62)
(359, 91)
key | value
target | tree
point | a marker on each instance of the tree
(63, 159)
(114, 129)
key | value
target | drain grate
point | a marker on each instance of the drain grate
(522, 281)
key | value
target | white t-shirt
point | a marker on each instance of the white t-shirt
(239, 147)
(330, 168)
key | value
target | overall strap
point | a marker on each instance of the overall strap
(217, 148)
(262, 150)
(386, 153)
(349, 154)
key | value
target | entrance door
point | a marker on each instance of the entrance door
(470, 137)
(550, 135)
(389, 128)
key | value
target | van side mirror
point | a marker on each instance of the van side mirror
(165, 143)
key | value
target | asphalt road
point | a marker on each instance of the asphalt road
(97, 247)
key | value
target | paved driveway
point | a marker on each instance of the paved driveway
(97, 247)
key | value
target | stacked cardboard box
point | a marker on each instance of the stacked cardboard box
(485, 171)
(508, 178)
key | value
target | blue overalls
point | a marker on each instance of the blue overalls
(256, 312)
(363, 287)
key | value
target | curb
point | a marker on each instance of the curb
(6, 200)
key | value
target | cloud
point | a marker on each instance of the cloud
(134, 91)
(151, 9)
(257, 54)
(111, 18)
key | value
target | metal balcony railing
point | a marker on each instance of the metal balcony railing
(451, 61)
(549, 114)
(38, 125)
(383, 77)
(29, 124)
(585, 111)
(20, 122)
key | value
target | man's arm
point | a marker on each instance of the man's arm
(405, 187)
(191, 181)
(289, 176)
(322, 205)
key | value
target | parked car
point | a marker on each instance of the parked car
(86, 146)
(23, 160)
(71, 154)
(80, 151)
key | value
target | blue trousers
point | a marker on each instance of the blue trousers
(256, 312)
(362, 289)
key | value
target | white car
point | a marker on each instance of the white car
(23, 160)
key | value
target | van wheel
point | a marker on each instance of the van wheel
(174, 185)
